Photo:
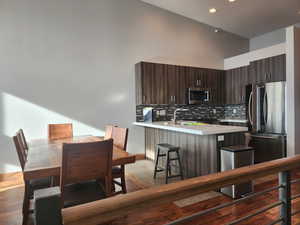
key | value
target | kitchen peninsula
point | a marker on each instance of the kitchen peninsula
(199, 143)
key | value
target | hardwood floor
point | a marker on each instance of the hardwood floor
(138, 177)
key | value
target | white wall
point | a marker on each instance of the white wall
(268, 39)
(246, 58)
(73, 60)
(293, 90)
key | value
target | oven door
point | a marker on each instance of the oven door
(198, 96)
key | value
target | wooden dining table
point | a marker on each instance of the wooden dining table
(45, 156)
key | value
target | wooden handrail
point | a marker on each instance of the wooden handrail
(98, 212)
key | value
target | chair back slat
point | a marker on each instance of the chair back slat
(20, 150)
(21, 135)
(120, 136)
(108, 132)
(58, 131)
(86, 161)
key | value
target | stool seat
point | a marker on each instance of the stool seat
(165, 150)
(165, 146)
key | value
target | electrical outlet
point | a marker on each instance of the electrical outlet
(234, 111)
(221, 138)
(162, 112)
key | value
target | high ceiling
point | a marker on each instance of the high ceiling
(247, 18)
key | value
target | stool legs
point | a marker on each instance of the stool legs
(180, 166)
(156, 163)
(167, 168)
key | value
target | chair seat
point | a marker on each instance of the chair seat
(167, 147)
(116, 170)
(81, 193)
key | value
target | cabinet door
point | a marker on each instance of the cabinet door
(221, 85)
(181, 91)
(251, 73)
(147, 83)
(243, 83)
(236, 81)
(138, 84)
(278, 68)
(192, 77)
(211, 83)
(229, 87)
(160, 85)
(203, 78)
(173, 83)
(261, 69)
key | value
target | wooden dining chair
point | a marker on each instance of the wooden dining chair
(84, 166)
(120, 137)
(58, 131)
(108, 132)
(32, 185)
(23, 139)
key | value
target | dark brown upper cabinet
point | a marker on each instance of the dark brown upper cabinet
(151, 86)
(175, 76)
(269, 69)
(168, 84)
(235, 88)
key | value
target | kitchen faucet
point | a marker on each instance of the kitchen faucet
(178, 110)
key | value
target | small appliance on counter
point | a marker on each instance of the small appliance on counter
(148, 114)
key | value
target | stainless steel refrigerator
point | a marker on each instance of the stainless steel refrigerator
(269, 140)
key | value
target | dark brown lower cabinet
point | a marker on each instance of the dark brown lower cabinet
(268, 147)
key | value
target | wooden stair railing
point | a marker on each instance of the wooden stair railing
(102, 211)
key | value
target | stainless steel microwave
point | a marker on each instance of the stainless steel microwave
(197, 96)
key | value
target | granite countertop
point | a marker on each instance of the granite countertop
(201, 129)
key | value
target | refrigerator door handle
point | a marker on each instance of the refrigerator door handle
(265, 109)
(249, 108)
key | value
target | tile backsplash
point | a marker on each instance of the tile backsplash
(195, 112)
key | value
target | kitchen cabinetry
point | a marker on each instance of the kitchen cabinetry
(236, 81)
(168, 84)
(176, 84)
(150, 84)
(269, 69)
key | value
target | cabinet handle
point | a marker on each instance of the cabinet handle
(144, 99)
(199, 82)
(174, 98)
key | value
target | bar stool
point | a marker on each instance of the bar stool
(166, 150)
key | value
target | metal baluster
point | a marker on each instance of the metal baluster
(285, 197)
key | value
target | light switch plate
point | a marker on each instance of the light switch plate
(214, 111)
(234, 111)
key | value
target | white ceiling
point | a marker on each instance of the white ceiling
(247, 18)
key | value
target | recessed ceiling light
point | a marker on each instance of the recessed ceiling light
(212, 10)
(231, 0)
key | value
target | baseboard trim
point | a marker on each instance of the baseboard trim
(10, 176)
(11, 180)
